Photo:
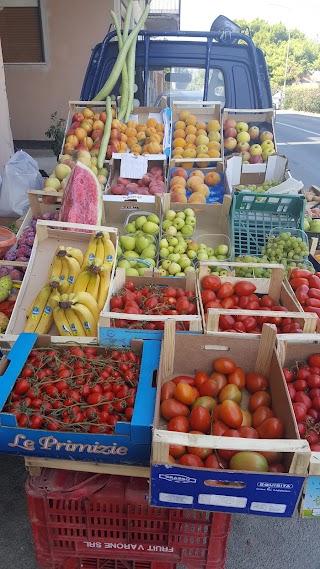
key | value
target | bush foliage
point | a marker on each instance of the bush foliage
(303, 99)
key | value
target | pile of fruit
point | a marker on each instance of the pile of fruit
(7, 300)
(211, 405)
(152, 300)
(252, 272)
(76, 291)
(306, 288)
(86, 131)
(75, 390)
(252, 144)
(24, 246)
(312, 221)
(218, 294)
(303, 382)
(194, 139)
(261, 189)
(137, 253)
(151, 183)
(197, 187)
(287, 247)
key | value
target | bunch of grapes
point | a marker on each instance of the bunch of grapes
(249, 272)
(285, 247)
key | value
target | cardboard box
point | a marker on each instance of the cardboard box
(216, 192)
(276, 287)
(49, 234)
(162, 115)
(129, 445)
(237, 173)
(292, 350)
(177, 486)
(187, 283)
(204, 111)
(263, 118)
(115, 167)
(116, 213)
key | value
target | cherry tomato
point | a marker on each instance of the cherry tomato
(316, 403)
(244, 288)
(288, 375)
(231, 414)
(256, 382)
(94, 398)
(211, 282)
(191, 460)
(224, 365)
(301, 385)
(179, 424)
(200, 419)
(183, 305)
(185, 393)
(272, 428)
(314, 360)
(171, 408)
(302, 397)
(300, 411)
(260, 415)
(22, 386)
(313, 437)
(167, 390)
(259, 399)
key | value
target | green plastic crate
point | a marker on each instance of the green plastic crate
(254, 215)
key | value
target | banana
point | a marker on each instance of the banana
(74, 323)
(103, 288)
(61, 322)
(74, 271)
(100, 250)
(76, 254)
(109, 251)
(88, 301)
(88, 322)
(56, 267)
(64, 284)
(93, 285)
(46, 319)
(39, 304)
(91, 250)
(82, 281)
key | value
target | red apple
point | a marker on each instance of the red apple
(70, 131)
(230, 132)
(266, 135)
(255, 159)
(230, 123)
(245, 156)
(115, 134)
(243, 147)
(78, 117)
(97, 135)
(254, 132)
(230, 143)
(76, 124)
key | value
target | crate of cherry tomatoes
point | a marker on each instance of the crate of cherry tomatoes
(145, 303)
(236, 304)
(79, 402)
(305, 289)
(224, 427)
(300, 361)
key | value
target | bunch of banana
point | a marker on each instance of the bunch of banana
(40, 312)
(66, 266)
(76, 314)
(100, 247)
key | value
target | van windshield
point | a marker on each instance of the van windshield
(184, 84)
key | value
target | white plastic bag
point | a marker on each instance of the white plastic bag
(21, 173)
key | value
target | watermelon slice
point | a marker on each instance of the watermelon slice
(82, 199)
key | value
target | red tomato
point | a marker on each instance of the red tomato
(295, 283)
(218, 428)
(314, 293)
(201, 452)
(314, 360)
(316, 403)
(302, 293)
(271, 429)
(250, 323)
(191, 460)
(184, 379)
(211, 282)
(171, 408)
(200, 378)
(185, 393)
(244, 288)
(272, 456)
(256, 382)
(253, 305)
(239, 327)
(224, 365)
(177, 450)
(300, 273)
(167, 390)
(248, 433)
(231, 414)
(226, 321)
(300, 411)
(183, 305)
(200, 419)
(224, 453)
(207, 296)
(226, 289)
(314, 393)
(227, 303)
(179, 424)
(315, 448)
(243, 301)
(220, 379)
(212, 304)
(209, 387)
(260, 415)
(314, 282)
(259, 399)
(300, 385)
(237, 377)
(313, 302)
(214, 462)
(205, 401)
(278, 467)
(313, 381)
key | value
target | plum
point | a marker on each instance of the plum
(156, 170)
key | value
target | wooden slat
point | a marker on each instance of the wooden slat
(35, 465)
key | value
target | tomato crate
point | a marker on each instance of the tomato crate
(224, 490)
(77, 516)
(277, 287)
(254, 215)
(130, 442)
(114, 319)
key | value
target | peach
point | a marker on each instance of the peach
(98, 125)
(212, 178)
(197, 173)
(178, 190)
(72, 139)
(180, 172)
(196, 197)
(190, 129)
(180, 125)
(214, 144)
(203, 189)
(193, 182)
(152, 122)
(180, 133)
(202, 140)
(178, 179)
(177, 151)
(191, 119)
(189, 153)
(132, 124)
(213, 125)
(214, 135)
(183, 115)
(202, 149)
(179, 143)
(141, 128)
(201, 132)
(178, 198)
(201, 124)
(154, 148)
(187, 165)
(80, 133)
(88, 113)
(213, 153)
(190, 138)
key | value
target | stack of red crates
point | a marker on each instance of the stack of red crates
(85, 521)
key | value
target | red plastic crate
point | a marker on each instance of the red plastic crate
(78, 517)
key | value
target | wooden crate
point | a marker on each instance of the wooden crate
(185, 355)
(255, 116)
(187, 283)
(274, 286)
(35, 466)
(48, 236)
(116, 212)
(204, 111)
(37, 205)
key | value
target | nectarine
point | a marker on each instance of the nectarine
(180, 172)
(203, 189)
(197, 173)
(178, 179)
(196, 197)
(193, 182)
(178, 198)
(212, 178)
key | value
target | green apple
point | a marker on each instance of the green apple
(187, 230)
(119, 252)
(184, 262)
(130, 228)
(178, 223)
(190, 221)
(242, 127)
(267, 152)
(306, 225)
(170, 214)
(174, 269)
(166, 264)
(181, 274)
(164, 253)
(212, 258)
(124, 264)
(172, 230)
(141, 243)
(221, 257)
(189, 269)
(153, 218)
(142, 270)
(210, 251)
(150, 227)
(171, 249)
(202, 246)
(266, 144)
(174, 257)
(163, 243)
(256, 149)
(163, 272)
(222, 250)
(132, 273)
(140, 221)
(189, 212)
(179, 249)
(315, 226)
(166, 224)
(202, 255)
(191, 254)
(148, 252)
(127, 242)
(181, 214)
(173, 241)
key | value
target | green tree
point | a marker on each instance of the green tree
(304, 54)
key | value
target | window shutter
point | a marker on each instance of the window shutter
(21, 35)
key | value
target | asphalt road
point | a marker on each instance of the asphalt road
(298, 137)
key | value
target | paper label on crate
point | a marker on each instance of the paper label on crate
(175, 498)
(220, 500)
(133, 167)
(271, 508)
